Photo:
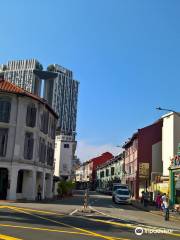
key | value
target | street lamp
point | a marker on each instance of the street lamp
(168, 110)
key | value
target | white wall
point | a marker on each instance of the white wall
(14, 159)
(64, 156)
(157, 165)
(170, 139)
(57, 156)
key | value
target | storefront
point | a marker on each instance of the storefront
(174, 170)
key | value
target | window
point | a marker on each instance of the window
(107, 172)
(42, 150)
(66, 145)
(52, 128)
(44, 122)
(28, 146)
(112, 171)
(5, 108)
(50, 155)
(101, 174)
(3, 141)
(31, 115)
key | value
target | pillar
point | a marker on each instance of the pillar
(172, 187)
(33, 177)
(43, 184)
(49, 184)
(13, 183)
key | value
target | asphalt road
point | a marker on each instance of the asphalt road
(22, 221)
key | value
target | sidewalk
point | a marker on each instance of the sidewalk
(154, 210)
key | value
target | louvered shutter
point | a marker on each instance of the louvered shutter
(31, 145)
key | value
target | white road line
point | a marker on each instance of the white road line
(73, 212)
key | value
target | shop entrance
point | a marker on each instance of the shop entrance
(3, 183)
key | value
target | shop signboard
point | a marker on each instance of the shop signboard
(175, 161)
(144, 170)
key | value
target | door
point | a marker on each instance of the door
(3, 183)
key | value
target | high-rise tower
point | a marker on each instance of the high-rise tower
(64, 98)
(22, 73)
(61, 92)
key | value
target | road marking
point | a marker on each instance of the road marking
(132, 226)
(120, 209)
(50, 230)
(5, 237)
(67, 225)
(42, 229)
(37, 211)
(128, 224)
(73, 212)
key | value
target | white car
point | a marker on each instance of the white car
(118, 186)
(122, 196)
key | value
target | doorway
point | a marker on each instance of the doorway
(3, 183)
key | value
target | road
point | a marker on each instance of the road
(64, 219)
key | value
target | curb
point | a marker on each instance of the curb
(153, 212)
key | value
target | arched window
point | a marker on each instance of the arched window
(31, 116)
(5, 109)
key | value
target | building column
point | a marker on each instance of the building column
(172, 187)
(13, 183)
(33, 176)
(49, 185)
(43, 185)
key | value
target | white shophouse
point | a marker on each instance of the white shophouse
(27, 138)
(170, 139)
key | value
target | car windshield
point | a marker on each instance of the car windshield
(119, 187)
(115, 187)
(122, 192)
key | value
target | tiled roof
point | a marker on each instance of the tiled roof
(9, 87)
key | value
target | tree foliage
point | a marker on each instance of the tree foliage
(65, 187)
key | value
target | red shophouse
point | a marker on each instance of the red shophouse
(93, 164)
(142, 157)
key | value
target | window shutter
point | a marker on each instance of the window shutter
(33, 115)
(31, 145)
(28, 114)
(25, 146)
(8, 109)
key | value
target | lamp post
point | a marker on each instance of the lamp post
(168, 110)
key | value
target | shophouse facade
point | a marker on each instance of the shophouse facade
(27, 138)
(143, 156)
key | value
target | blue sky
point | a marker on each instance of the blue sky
(125, 53)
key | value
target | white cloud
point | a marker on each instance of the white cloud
(86, 151)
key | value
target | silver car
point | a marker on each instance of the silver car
(122, 196)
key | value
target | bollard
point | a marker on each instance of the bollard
(86, 199)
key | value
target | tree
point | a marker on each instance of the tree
(51, 68)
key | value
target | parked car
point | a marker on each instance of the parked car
(122, 196)
(118, 186)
